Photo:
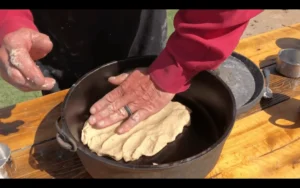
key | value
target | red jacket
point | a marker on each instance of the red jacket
(202, 40)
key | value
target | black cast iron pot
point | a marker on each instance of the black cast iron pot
(193, 154)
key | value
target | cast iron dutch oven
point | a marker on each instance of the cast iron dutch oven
(193, 154)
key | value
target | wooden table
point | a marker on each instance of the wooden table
(265, 142)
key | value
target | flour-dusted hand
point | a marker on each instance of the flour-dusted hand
(17, 54)
(137, 92)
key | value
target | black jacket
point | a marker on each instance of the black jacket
(86, 39)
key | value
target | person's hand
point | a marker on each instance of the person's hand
(18, 52)
(136, 91)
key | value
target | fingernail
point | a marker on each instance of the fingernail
(125, 75)
(92, 120)
(135, 117)
(45, 85)
(93, 110)
(112, 78)
(100, 124)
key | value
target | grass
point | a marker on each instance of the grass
(10, 95)
(171, 14)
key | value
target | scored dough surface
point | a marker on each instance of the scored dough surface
(145, 139)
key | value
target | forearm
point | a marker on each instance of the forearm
(202, 40)
(12, 20)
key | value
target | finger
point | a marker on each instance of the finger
(9, 73)
(49, 84)
(15, 78)
(113, 107)
(107, 99)
(132, 121)
(41, 46)
(117, 80)
(20, 45)
(19, 79)
(36, 43)
(22, 83)
(18, 82)
(120, 114)
(24, 89)
(21, 60)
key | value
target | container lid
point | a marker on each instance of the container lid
(239, 78)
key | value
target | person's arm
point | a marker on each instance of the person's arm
(12, 20)
(202, 40)
(22, 44)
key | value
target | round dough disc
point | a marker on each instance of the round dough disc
(145, 139)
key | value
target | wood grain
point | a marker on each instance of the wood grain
(283, 89)
(263, 48)
(281, 163)
(264, 144)
(47, 160)
(30, 122)
(255, 144)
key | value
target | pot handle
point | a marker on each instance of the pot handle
(64, 141)
(268, 93)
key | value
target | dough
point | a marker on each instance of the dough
(147, 138)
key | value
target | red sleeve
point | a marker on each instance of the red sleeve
(202, 40)
(12, 20)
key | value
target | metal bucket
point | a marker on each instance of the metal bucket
(6, 164)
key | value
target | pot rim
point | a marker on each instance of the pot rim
(249, 104)
(144, 167)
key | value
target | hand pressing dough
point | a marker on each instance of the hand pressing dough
(147, 138)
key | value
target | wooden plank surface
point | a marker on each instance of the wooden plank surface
(263, 48)
(47, 160)
(283, 89)
(254, 146)
(30, 122)
(264, 144)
